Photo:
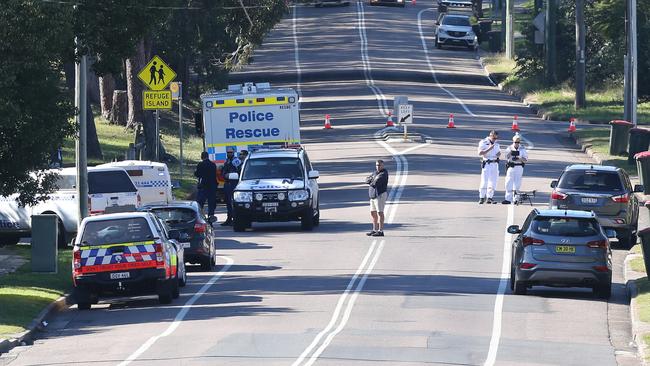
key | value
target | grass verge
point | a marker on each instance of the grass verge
(114, 141)
(24, 294)
(599, 140)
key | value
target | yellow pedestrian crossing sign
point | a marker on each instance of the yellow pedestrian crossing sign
(156, 75)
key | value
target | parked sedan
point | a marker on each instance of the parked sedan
(562, 248)
(195, 233)
(401, 3)
(607, 191)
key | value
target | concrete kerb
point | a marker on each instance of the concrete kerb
(36, 325)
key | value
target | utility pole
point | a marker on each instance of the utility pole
(510, 31)
(580, 101)
(633, 61)
(550, 55)
(80, 145)
(504, 20)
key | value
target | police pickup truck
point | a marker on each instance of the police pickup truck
(276, 184)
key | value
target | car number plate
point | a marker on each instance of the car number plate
(186, 245)
(589, 200)
(120, 275)
(565, 249)
(270, 204)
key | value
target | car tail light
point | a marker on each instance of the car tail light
(597, 244)
(139, 199)
(527, 240)
(601, 268)
(624, 198)
(160, 258)
(558, 196)
(527, 265)
(76, 261)
(200, 227)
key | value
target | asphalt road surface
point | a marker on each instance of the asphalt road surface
(432, 291)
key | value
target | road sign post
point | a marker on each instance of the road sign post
(156, 75)
(405, 117)
(177, 93)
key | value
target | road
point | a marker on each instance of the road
(433, 291)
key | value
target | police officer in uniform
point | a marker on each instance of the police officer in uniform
(231, 165)
(489, 151)
(206, 172)
(517, 156)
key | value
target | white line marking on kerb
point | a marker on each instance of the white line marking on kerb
(180, 316)
(433, 71)
(296, 52)
(339, 306)
(503, 283)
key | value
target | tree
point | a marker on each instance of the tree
(35, 113)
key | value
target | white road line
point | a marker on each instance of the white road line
(339, 306)
(433, 71)
(296, 56)
(503, 283)
(348, 309)
(180, 316)
(406, 151)
(365, 60)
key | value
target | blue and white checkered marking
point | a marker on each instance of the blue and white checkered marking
(95, 257)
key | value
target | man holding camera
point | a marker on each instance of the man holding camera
(517, 157)
(489, 151)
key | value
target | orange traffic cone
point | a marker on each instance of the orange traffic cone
(515, 124)
(328, 124)
(451, 124)
(389, 122)
(572, 125)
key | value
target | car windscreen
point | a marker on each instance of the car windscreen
(118, 231)
(273, 168)
(458, 21)
(175, 215)
(66, 182)
(109, 182)
(565, 226)
(590, 180)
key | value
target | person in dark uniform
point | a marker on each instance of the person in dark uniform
(206, 172)
(231, 165)
(378, 192)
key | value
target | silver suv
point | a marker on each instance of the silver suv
(562, 248)
(605, 190)
(455, 30)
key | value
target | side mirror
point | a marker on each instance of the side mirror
(553, 184)
(611, 233)
(638, 188)
(174, 234)
(514, 229)
(233, 176)
(313, 174)
(437, 23)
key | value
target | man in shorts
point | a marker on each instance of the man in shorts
(378, 192)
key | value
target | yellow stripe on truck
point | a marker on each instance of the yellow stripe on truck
(116, 245)
(238, 102)
(249, 143)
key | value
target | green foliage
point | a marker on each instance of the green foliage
(34, 110)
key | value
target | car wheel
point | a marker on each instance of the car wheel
(176, 288)
(438, 44)
(62, 243)
(512, 278)
(165, 291)
(213, 259)
(239, 225)
(519, 287)
(603, 291)
(317, 217)
(206, 264)
(183, 280)
(84, 305)
(84, 298)
(627, 240)
(307, 220)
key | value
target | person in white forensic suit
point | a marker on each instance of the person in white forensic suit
(489, 151)
(517, 156)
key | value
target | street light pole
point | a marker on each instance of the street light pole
(633, 61)
(510, 32)
(580, 101)
(80, 145)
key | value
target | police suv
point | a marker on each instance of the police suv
(276, 184)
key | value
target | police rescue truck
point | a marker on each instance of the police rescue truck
(247, 116)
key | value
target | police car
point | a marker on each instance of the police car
(124, 253)
(276, 184)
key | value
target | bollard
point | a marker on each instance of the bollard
(45, 234)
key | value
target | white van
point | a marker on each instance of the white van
(150, 178)
(109, 190)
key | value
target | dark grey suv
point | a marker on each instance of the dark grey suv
(605, 190)
(561, 248)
